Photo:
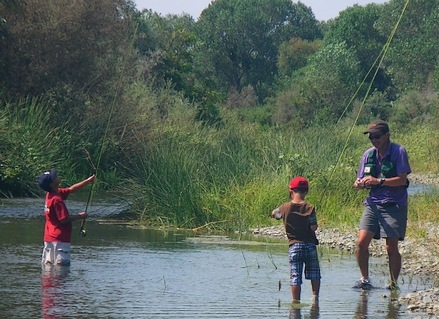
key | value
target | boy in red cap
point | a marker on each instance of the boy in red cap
(300, 222)
(58, 227)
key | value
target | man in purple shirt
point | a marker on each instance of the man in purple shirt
(383, 170)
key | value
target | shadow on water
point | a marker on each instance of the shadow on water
(123, 272)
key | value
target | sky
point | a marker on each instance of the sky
(323, 9)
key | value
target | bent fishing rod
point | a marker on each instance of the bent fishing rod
(82, 231)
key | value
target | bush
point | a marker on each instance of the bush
(415, 107)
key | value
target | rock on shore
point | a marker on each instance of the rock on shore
(427, 179)
(420, 258)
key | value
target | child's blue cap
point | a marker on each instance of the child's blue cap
(46, 179)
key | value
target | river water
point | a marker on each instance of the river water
(122, 272)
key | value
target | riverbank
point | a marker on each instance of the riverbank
(420, 258)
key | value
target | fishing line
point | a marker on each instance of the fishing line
(379, 59)
(82, 231)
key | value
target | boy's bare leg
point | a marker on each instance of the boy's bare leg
(315, 286)
(295, 292)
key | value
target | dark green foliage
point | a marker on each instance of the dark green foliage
(240, 39)
(436, 77)
(294, 55)
(318, 93)
(416, 107)
(260, 115)
(49, 43)
(167, 44)
(377, 106)
(208, 113)
(355, 26)
(413, 54)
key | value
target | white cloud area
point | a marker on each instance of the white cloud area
(323, 9)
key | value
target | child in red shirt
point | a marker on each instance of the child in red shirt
(58, 226)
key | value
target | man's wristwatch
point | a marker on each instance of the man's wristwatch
(382, 181)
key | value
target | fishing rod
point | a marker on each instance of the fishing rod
(82, 231)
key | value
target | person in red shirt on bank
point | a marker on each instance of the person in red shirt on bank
(58, 226)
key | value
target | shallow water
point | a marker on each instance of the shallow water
(122, 272)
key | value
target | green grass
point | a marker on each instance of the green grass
(231, 178)
(177, 172)
(422, 144)
(423, 209)
(30, 144)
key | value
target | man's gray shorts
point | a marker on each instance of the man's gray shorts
(387, 220)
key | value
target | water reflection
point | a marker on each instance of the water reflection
(392, 311)
(361, 311)
(53, 280)
(393, 307)
(296, 312)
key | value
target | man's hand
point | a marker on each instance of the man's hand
(359, 184)
(366, 182)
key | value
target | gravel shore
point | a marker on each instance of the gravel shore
(428, 179)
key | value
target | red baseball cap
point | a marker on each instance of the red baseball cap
(299, 182)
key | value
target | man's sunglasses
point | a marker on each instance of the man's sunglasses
(375, 136)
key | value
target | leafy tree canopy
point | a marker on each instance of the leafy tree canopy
(414, 53)
(68, 42)
(240, 38)
(294, 55)
(356, 26)
(167, 44)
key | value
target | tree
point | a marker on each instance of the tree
(294, 55)
(45, 44)
(320, 91)
(240, 39)
(356, 28)
(414, 52)
(73, 56)
(167, 48)
(167, 43)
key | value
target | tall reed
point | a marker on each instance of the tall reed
(231, 178)
(30, 144)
